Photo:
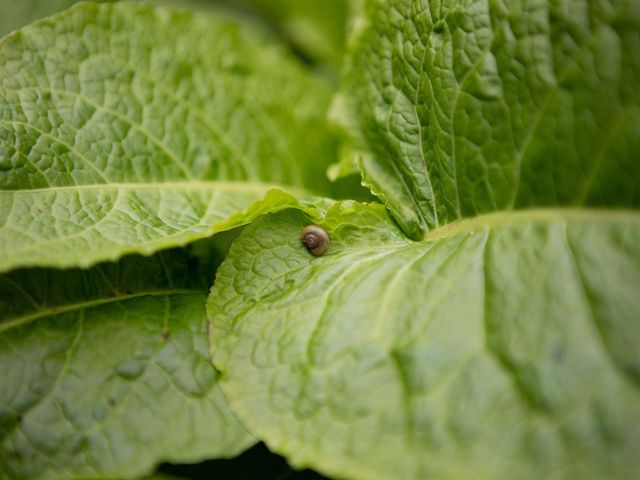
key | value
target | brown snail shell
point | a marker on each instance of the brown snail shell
(316, 239)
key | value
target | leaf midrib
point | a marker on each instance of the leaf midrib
(236, 186)
(55, 310)
(511, 217)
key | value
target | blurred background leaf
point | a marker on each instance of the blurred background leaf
(316, 29)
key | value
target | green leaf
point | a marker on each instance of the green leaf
(126, 128)
(463, 108)
(504, 346)
(106, 372)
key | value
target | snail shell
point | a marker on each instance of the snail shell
(315, 239)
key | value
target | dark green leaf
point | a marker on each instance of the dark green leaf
(106, 372)
(126, 128)
(463, 108)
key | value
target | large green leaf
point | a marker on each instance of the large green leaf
(505, 346)
(467, 107)
(106, 372)
(126, 128)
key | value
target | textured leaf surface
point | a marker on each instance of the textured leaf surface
(126, 128)
(463, 108)
(505, 346)
(106, 372)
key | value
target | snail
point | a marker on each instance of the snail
(315, 239)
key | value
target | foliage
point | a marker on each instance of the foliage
(481, 321)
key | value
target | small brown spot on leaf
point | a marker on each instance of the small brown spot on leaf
(166, 336)
(111, 402)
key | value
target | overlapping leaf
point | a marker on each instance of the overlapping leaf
(462, 108)
(317, 28)
(106, 372)
(126, 128)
